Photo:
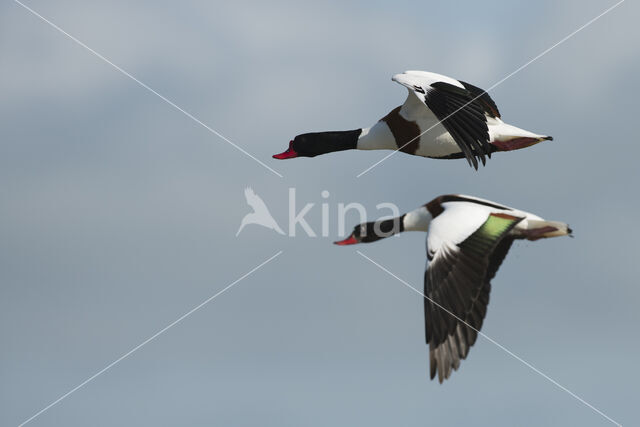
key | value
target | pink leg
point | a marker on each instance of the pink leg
(515, 143)
(537, 233)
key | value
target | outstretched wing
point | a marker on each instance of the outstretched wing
(482, 96)
(461, 108)
(457, 286)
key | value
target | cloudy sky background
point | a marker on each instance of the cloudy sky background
(118, 214)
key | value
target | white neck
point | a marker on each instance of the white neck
(377, 137)
(417, 220)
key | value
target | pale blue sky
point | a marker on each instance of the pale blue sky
(119, 214)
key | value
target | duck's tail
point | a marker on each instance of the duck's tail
(506, 137)
(541, 229)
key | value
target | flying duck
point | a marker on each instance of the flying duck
(467, 240)
(441, 118)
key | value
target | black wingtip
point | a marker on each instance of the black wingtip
(472, 162)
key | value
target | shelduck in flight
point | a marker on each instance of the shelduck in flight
(441, 118)
(467, 240)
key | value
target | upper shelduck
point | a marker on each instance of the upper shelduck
(441, 118)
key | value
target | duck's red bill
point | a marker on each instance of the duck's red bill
(348, 241)
(289, 154)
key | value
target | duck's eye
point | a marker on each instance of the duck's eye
(418, 89)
